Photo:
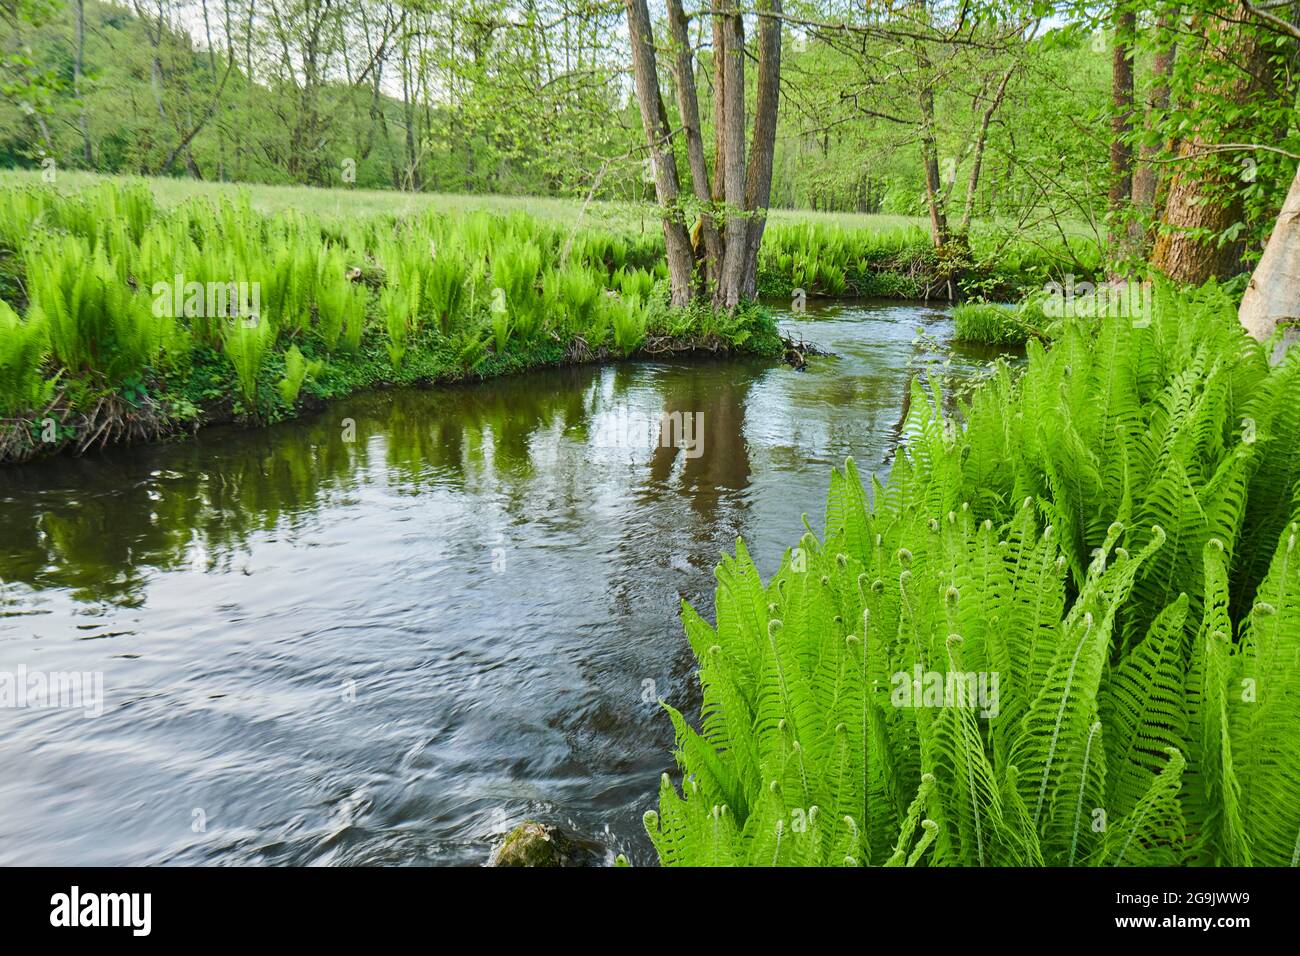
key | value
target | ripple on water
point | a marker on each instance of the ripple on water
(392, 651)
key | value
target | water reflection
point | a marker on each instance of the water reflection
(387, 632)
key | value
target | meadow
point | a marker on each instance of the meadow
(352, 203)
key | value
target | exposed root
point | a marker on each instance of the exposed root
(55, 428)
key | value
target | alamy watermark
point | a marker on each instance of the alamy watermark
(226, 300)
(77, 690)
(922, 688)
(1112, 300)
(681, 430)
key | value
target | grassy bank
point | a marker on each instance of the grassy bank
(125, 319)
(132, 310)
(1063, 634)
(828, 254)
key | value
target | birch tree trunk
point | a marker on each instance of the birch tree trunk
(1273, 296)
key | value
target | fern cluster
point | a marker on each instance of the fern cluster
(22, 351)
(1066, 632)
(825, 259)
(992, 324)
(119, 294)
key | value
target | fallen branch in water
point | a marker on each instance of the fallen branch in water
(795, 354)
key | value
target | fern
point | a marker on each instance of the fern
(1083, 539)
(297, 370)
(23, 347)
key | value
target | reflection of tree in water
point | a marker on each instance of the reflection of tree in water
(720, 466)
(670, 536)
(93, 525)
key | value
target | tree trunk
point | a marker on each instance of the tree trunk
(1121, 131)
(677, 240)
(1146, 177)
(981, 141)
(762, 153)
(732, 120)
(930, 163)
(1205, 198)
(741, 189)
(78, 64)
(1273, 296)
(688, 105)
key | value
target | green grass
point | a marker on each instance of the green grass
(338, 205)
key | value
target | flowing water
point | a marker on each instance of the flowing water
(389, 632)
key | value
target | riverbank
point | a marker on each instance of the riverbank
(125, 319)
(168, 411)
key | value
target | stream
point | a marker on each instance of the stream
(389, 632)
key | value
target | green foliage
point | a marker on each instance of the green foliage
(341, 315)
(246, 344)
(96, 323)
(1022, 651)
(901, 262)
(22, 352)
(199, 305)
(297, 370)
(515, 271)
(574, 294)
(627, 317)
(997, 324)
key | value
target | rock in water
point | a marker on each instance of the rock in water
(536, 844)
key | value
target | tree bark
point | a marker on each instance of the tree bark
(737, 199)
(930, 153)
(1121, 131)
(688, 105)
(732, 120)
(762, 153)
(1146, 178)
(1205, 198)
(677, 240)
(981, 140)
(1273, 296)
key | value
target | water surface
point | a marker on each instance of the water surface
(389, 632)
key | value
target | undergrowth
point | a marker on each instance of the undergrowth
(127, 319)
(1064, 632)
